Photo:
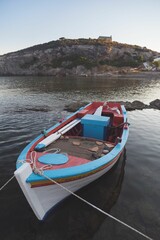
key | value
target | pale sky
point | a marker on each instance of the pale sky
(24, 23)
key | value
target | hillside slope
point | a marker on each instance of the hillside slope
(75, 57)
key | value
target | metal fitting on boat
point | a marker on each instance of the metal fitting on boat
(44, 132)
(118, 140)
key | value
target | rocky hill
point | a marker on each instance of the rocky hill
(75, 57)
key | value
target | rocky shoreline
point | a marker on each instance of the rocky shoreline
(137, 74)
(78, 57)
(130, 106)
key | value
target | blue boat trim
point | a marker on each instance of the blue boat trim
(23, 154)
(71, 115)
(76, 170)
(85, 168)
(40, 146)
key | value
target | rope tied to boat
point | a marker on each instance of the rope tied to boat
(7, 182)
(120, 125)
(41, 173)
(19, 161)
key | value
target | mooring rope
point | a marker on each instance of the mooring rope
(7, 182)
(40, 172)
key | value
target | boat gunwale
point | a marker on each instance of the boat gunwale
(87, 168)
(23, 154)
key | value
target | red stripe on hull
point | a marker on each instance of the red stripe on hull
(73, 178)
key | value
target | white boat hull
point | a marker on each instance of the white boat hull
(44, 198)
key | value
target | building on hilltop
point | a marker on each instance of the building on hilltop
(62, 38)
(105, 38)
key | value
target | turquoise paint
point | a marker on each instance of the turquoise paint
(71, 115)
(23, 154)
(40, 146)
(53, 158)
(95, 126)
(76, 170)
(85, 168)
(95, 120)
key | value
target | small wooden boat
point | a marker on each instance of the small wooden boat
(73, 153)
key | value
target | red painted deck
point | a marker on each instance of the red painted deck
(72, 161)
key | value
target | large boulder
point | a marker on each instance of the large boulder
(130, 106)
(155, 104)
(135, 105)
(72, 107)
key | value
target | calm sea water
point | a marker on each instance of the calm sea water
(130, 191)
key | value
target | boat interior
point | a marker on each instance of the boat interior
(86, 136)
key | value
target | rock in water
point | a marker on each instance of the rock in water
(155, 104)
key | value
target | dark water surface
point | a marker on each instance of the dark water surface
(130, 191)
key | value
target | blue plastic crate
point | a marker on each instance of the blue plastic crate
(95, 126)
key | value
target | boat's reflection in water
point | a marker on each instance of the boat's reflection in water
(77, 220)
(73, 219)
